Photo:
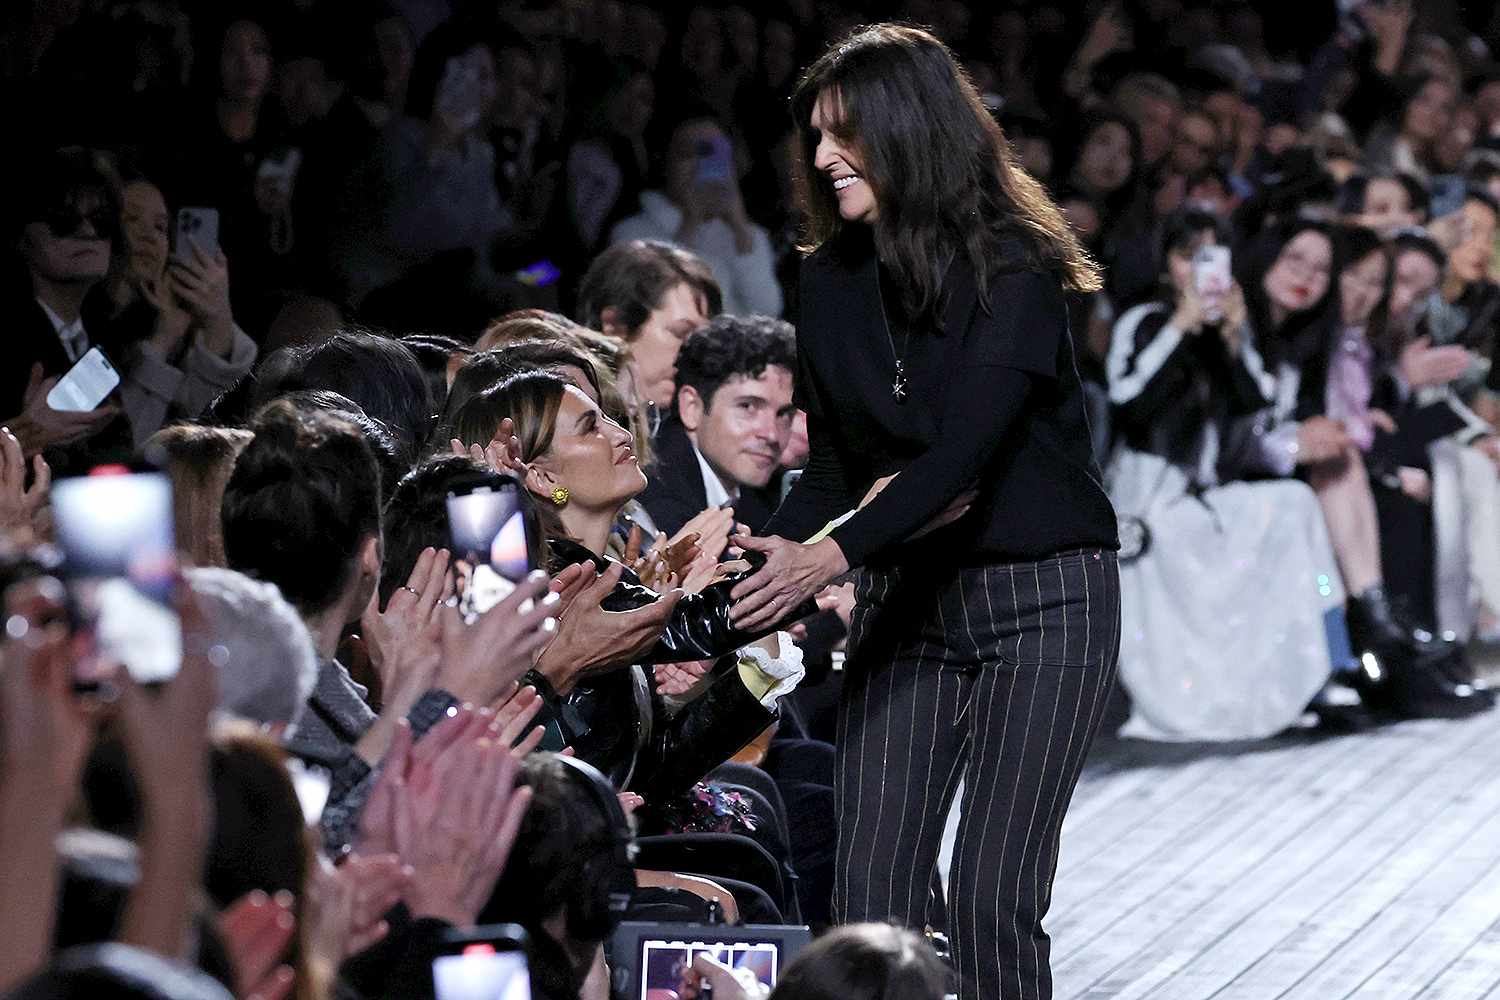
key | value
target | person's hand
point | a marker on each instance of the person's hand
(344, 907)
(511, 725)
(201, 284)
(630, 802)
(792, 573)
(1421, 364)
(1382, 420)
(257, 930)
(165, 731)
(39, 427)
(719, 977)
(1190, 313)
(482, 661)
(1320, 439)
(1388, 22)
(712, 528)
(839, 600)
(1235, 316)
(502, 454)
(19, 505)
(455, 823)
(405, 640)
(1109, 32)
(704, 572)
(591, 640)
(1415, 483)
(680, 678)
(172, 321)
(45, 728)
(1489, 447)
(654, 571)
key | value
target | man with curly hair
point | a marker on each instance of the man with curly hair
(733, 416)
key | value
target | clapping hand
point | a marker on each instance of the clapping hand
(39, 426)
(20, 505)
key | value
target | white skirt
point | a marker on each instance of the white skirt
(1223, 634)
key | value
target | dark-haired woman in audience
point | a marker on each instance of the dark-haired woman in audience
(169, 318)
(581, 469)
(1294, 281)
(1182, 368)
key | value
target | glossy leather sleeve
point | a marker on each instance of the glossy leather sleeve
(704, 733)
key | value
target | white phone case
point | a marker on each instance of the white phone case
(85, 385)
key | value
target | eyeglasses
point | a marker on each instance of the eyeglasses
(65, 222)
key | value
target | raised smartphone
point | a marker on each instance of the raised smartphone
(87, 384)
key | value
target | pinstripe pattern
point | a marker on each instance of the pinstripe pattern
(1003, 670)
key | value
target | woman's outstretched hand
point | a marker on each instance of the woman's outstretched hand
(792, 573)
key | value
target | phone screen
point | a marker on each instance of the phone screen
(85, 385)
(664, 964)
(715, 161)
(481, 971)
(120, 563)
(195, 227)
(487, 529)
(1212, 278)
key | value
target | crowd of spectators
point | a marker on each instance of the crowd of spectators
(350, 257)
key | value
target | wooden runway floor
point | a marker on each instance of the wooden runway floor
(1307, 868)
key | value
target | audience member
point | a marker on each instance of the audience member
(723, 442)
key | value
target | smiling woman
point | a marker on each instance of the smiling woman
(938, 375)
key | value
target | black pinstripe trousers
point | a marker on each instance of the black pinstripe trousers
(999, 675)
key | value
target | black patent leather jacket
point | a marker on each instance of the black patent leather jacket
(617, 722)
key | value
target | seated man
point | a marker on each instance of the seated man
(732, 421)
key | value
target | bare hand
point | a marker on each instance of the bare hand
(680, 678)
(455, 824)
(1382, 421)
(719, 977)
(792, 573)
(1421, 364)
(19, 505)
(257, 931)
(1320, 439)
(591, 640)
(712, 528)
(405, 640)
(39, 426)
(484, 660)
(201, 284)
(1489, 446)
(45, 729)
(1415, 483)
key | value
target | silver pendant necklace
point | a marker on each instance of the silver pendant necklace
(898, 384)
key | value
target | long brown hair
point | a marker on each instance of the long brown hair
(944, 176)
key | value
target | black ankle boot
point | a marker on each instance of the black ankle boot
(1377, 623)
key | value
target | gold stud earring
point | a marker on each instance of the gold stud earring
(560, 496)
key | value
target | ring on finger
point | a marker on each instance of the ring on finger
(411, 590)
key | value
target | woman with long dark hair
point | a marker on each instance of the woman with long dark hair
(940, 383)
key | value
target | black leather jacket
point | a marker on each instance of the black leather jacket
(617, 722)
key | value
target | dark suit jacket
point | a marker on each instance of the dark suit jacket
(29, 340)
(676, 494)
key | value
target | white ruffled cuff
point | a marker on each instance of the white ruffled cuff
(778, 675)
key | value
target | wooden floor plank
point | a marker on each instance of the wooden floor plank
(1270, 949)
(1472, 974)
(1454, 929)
(1157, 895)
(1155, 932)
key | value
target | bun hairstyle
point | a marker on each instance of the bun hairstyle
(303, 497)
